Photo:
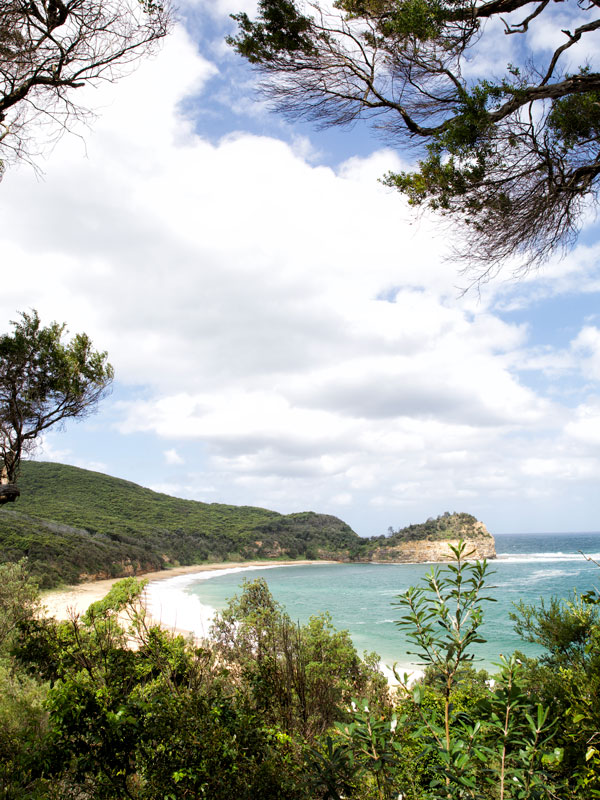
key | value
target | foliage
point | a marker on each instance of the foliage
(160, 719)
(106, 706)
(374, 748)
(171, 719)
(512, 158)
(465, 739)
(22, 714)
(568, 676)
(23, 733)
(43, 382)
(564, 627)
(99, 526)
(19, 601)
(50, 48)
(457, 525)
(300, 677)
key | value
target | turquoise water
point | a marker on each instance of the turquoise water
(359, 596)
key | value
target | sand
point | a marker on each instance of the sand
(164, 595)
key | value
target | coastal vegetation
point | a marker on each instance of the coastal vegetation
(447, 526)
(97, 526)
(107, 706)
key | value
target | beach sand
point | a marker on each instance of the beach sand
(62, 603)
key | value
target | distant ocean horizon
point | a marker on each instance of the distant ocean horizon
(359, 597)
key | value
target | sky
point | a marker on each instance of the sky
(285, 332)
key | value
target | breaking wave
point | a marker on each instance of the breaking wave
(536, 558)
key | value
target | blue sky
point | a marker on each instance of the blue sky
(285, 332)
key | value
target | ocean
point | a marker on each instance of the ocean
(359, 597)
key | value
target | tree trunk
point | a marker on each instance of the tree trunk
(8, 488)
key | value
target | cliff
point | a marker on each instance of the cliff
(416, 552)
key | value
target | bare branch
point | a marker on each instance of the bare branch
(51, 48)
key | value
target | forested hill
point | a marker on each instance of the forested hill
(447, 526)
(74, 524)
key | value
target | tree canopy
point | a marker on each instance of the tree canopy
(49, 48)
(43, 382)
(512, 158)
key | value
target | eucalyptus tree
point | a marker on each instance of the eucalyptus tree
(512, 156)
(43, 382)
(51, 48)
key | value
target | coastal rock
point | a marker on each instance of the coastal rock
(417, 552)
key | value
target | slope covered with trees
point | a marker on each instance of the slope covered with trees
(458, 525)
(73, 523)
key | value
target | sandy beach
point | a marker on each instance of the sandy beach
(165, 599)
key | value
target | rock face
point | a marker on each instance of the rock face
(416, 552)
(480, 544)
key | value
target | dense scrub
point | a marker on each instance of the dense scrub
(458, 525)
(272, 710)
(71, 522)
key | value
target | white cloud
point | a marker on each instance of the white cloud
(587, 344)
(585, 425)
(291, 320)
(46, 451)
(172, 457)
(223, 8)
(564, 470)
(343, 499)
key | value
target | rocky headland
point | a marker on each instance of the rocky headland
(433, 540)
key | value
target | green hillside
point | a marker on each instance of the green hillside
(446, 526)
(73, 523)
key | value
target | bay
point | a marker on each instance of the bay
(359, 597)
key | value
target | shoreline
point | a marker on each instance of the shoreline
(60, 603)
(171, 607)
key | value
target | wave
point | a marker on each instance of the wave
(527, 558)
(534, 577)
(205, 573)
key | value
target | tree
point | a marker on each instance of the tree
(19, 601)
(301, 677)
(43, 382)
(22, 713)
(134, 711)
(49, 48)
(512, 159)
(568, 676)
